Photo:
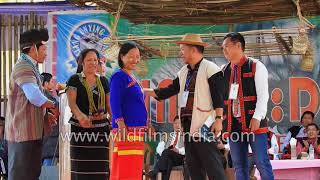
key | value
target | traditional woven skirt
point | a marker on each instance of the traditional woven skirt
(127, 158)
(89, 153)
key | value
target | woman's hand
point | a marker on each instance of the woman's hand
(84, 121)
(122, 131)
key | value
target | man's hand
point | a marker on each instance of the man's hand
(149, 92)
(52, 119)
(56, 112)
(220, 145)
(217, 127)
(49, 104)
(175, 150)
(254, 125)
(60, 87)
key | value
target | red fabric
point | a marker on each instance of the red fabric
(249, 98)
(127, 166)
(258, 131)
(247, 75)
(241, 97)
(114, 173)
(229, 102)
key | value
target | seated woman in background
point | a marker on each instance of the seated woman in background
(298, 131)
(304, 145)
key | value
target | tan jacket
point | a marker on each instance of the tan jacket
(202, 106)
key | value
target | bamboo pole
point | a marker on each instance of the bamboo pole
(21, 24)
(16, 39)
(1, 60)
(10, 39)
(31, 20)
(42, 22)
(4, 60)
(36, 23)
(171, 38)
(26, 22)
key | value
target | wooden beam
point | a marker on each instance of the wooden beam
(149, 49)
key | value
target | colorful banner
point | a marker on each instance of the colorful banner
(72, 32)
(293, 80)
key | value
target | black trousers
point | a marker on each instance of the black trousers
(204, 159)
(167, 160)
(24, 160)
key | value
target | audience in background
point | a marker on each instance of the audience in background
(3, 149)
(303, 145)
(171, 152)
(298, 131)
(50, 151)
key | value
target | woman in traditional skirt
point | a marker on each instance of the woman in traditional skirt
(88, 96)
(129, 117)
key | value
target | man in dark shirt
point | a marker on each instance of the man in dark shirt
(199, 86)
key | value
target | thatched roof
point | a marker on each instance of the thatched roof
(202, 12)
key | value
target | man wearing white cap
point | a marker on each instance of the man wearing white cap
(200, 88)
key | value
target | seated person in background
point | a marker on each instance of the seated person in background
(50, 91)
(150, 146)
(102, 69)
(298, 131)
(3, 148)
(50, 151)
(171, 153)
(303, 145)
(2, 122)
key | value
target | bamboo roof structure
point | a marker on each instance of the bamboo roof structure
(206, 12)
(210, 12)
(258, 43)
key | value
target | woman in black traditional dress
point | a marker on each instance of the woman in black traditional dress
(88, 96)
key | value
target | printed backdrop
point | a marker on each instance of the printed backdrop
(292, 88)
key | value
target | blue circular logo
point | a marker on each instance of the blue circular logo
(88, 36)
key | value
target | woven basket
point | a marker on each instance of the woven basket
(307, 61)
(300, 44)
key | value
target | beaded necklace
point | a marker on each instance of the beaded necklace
(101, 100)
